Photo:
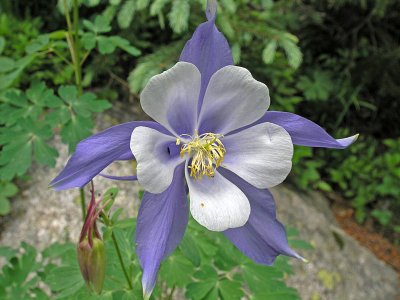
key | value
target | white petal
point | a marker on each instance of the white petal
(171, 98)
(155, 166)
(261, 155)
(216, 203)
(233, 99)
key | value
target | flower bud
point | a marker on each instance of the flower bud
(92, 262)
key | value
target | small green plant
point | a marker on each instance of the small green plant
(205, 266)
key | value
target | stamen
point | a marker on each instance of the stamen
(207, 153)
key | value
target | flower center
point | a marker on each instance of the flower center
(207, 152)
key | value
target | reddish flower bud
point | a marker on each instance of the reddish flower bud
(90, 249)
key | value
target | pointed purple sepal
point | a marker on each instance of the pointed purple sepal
(263, 237)
(305, 132)
(161, 224)
(208, 49)
(96, 152)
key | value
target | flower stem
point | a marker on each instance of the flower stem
(171, 293)
(83, 203)
(74, 49)
(108, 223)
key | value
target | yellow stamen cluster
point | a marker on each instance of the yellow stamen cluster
(208, 153)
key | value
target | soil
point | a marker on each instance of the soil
(384, 249)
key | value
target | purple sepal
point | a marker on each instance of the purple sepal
(263, 237)
(161, 224)
(208, 50)
(305, 132)
(96, 152)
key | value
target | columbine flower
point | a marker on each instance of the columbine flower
(212, 133)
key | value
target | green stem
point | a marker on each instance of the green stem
(83, 204)
(73, 45)
(108, 223)
(171, 293)
(78, 69)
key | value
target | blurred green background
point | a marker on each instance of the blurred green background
(335, 62)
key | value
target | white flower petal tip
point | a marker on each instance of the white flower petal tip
(216, 203)
(170, 98)
(355, 137)
(233, 99)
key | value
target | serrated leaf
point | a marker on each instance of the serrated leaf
(142, 4)
(179, 15)
(189, 250)
(15, 159)
(126, 13)
(157, 6)
(101, 24)
(44, 154)
(66, 280)
(269, 51)
(230, 289)
(293, 53)
(88, 40)
(176, 270)
(75, 130)
(105, 45)
(124, 45)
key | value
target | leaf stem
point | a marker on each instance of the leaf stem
(108, 223)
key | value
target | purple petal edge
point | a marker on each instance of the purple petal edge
(208, 50)
(161, 224)
(96, 152)
(263, 237)
(305, 132)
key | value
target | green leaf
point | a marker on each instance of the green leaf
(179, 15)
(126, 13)
(109, 196)
(38, 44)
(101, 24)
(2, 44)
(66, 280)
(176, 270)
(230, 289)
(6, 64)
(190, 250)
(157, 6)
(124, 45)
(44, 154)
(5, 206)
(15, 159)
(105, 45)
(293, 53)
(88, 40)
(75, 130)
(269, 51)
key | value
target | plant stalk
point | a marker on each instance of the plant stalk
(114, 239)
(73, 45)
